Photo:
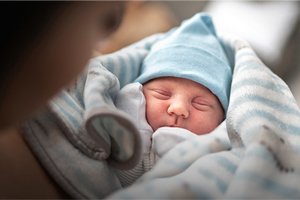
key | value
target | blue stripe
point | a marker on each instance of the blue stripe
(131, 68)
(268, 184)
(249, 64)
(124, 68)
(262, 83)
(78, 92)
(225, 163)
(243, 53)
(221, 185)
(175, 164)
(136, 64)
(109, 64)
(237, 152)
(294, 130)
(180, 152)
(128, 70)
(252, 99)
(67, 98)
(260, 152)
(117, 65)
(68, 116)
(294, 144)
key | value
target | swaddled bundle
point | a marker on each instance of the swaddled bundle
(260, 159)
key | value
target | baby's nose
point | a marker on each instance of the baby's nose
(179, 108)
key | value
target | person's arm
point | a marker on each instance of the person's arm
(22, 176)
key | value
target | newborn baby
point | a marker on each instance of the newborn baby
(182, 91)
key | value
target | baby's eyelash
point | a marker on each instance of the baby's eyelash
(162, 92)
(201, 104)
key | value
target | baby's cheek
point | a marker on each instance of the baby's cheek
(152, 120)
(201, 123)
(150, 115)
(155, 114)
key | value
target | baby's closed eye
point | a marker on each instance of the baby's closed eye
(161, 94)
(201, 104)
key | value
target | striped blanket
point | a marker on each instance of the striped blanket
(255, 153)
(261, 159)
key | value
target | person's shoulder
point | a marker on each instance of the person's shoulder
(18, 165)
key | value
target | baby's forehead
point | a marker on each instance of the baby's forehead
(174, 80)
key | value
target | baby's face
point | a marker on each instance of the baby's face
(177, 102)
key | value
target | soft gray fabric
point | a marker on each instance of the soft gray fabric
(81, 137)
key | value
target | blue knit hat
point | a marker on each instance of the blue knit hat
(192, 51)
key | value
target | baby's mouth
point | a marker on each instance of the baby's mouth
(174, 125)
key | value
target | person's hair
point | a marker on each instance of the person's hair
(21, 23)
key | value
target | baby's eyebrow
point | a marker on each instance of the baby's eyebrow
(158, 87)
(161, 90)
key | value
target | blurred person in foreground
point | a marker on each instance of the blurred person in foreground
(45, 45)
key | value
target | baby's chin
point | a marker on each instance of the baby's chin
(193, 130)
(202, 131)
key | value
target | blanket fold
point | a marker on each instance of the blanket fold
(107, 125)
